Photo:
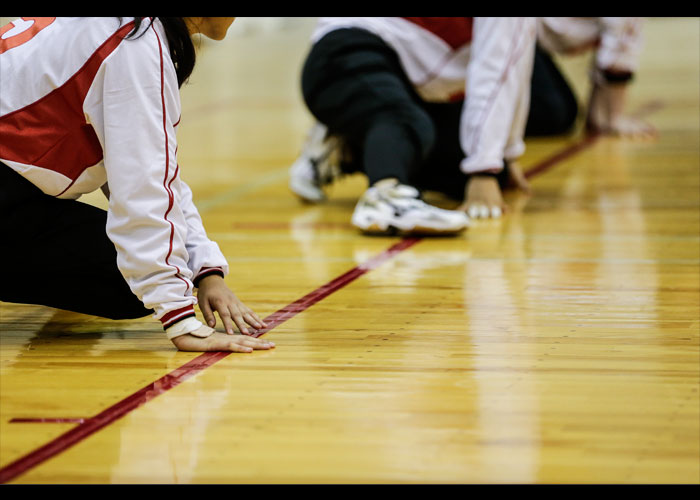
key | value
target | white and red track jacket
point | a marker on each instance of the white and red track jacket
(617, 40)
(486, 61)
(81, 106)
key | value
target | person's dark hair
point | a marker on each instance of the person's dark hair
(182, 50)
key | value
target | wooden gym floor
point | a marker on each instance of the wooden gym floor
(557, 345)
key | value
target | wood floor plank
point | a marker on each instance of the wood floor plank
(560, 344)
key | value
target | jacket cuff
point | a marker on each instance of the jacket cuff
(169, 319)
(207, 271)
(188, 325)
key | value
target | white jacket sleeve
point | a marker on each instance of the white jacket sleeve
(138, 103)
(205, 257)
(617, 40)
(497, 92)
(620, 43)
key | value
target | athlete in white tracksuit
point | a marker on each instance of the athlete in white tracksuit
(91, 103)
(438, 103)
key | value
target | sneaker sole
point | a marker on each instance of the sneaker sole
(307, 195)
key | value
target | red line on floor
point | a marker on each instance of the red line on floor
(586, 141)
(333, 286)
(562, 155)
(91, 425)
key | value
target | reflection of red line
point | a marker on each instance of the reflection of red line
(91, 425)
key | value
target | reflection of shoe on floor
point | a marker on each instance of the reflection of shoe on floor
(392, 208)
(317, 166)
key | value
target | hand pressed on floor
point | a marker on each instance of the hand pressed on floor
(215, 297)
(218, 341)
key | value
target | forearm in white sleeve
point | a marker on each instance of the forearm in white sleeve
(620, 43)
(515, 145)
(205, 257)
(617, 41)
(139, 103)
(497, 92)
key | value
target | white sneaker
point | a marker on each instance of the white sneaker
(392, 208)
(317, 166)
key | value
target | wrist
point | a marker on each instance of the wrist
(500, 176)
(482, 180)
(485, 175)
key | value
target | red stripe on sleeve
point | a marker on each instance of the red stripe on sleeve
(166, 184)
(52, 132)
(173, 317)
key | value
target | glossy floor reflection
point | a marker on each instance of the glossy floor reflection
(557, 345)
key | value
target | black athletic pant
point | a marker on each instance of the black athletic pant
(553, 105)
(56, 253)
(353, 83)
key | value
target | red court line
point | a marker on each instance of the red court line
(588, 140)
(332, 286)
(91, 425)
(562, 155)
